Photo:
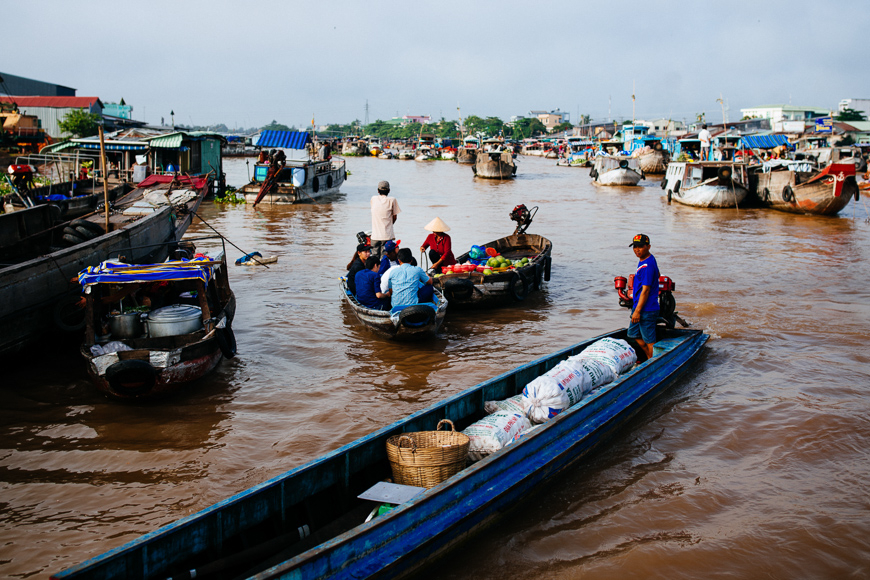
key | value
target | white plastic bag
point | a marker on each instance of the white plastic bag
(556, 390)
(615, 353)
(511, 405)
(494, 432)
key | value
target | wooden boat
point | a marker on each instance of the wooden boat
(714, 184)
(577, 152)
(497, 164)
(615, 170)
(467, 152)
(476, 290)
(412, 322)
(309, 521)
(801, 187)
(72, 198)
(405, 154)
(532, 147)
(301, 181)
(163, 355)
(36, 270)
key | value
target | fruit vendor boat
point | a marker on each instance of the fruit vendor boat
(40, 257)
(141, 353)
(409, 322)
(302, 180)
(468, 286)
(715, 184)
(310, 522)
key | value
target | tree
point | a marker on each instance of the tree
(526, 127)
(275, 126)
(78, 123)
(848, 114)
(847, 140)
(585, 119)
(564, 126)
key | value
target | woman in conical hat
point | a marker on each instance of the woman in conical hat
(440, 247)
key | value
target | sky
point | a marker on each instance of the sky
(245, 64)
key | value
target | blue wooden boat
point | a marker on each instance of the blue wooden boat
(311, 517)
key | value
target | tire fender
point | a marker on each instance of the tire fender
(518, 286)
(416, 316)
(670, 195)
(458, 289)
(226, 340)
(72, 240)
(315, 184)
(548, 264)
(131, 378)
(787, 194)
(96, 229)
(69, 314)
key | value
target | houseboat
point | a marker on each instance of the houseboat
(615, 170)
(495, 161)
(302, 180)
(467, 153)
(714, 184)
(578, 152)
(649, 149)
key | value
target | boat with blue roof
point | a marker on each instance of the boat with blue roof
(650, 151)
(307, 175)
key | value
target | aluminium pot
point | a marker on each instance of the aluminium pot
(174, 320)
(126, 325)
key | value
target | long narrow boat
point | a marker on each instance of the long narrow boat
(800, 187)
(715, 184)
(418, 321)
(311, 518)
(37, 280)
(73, 198)
(615, 170)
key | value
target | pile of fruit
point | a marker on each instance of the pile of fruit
(493, 265)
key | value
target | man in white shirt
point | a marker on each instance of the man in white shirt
(385, 210)
(705, 137)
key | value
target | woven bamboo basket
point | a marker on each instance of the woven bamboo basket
(426, 458)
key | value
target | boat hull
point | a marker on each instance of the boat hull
(654, 162)
(490, 165)
(712, 196)
(708, 184)
(474, 290)
(792, 192)
(381, 322)
(412, 534)
(466, 156)
(618, 176)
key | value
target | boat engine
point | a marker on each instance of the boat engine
(667, 304)
(523, 216)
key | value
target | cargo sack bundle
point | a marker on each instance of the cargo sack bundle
(494, 432)
(615, 353)
(511, 405)
(563, 386)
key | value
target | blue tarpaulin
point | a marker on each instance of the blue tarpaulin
(762, 141)
(120, 273)
(283, 139)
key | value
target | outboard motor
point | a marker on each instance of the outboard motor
(523, 217)
(667, 304)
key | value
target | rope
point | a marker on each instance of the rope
(254, 258)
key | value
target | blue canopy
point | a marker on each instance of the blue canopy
(762, 141)
(283, 139)
(120, 273)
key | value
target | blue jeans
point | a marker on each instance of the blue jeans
(646, 328)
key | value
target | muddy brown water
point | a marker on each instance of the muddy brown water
(756, 464)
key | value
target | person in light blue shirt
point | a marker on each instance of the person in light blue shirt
(403, 281)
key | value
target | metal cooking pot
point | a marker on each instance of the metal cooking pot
(126, 325)
(174, 320)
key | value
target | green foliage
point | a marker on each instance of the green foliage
(490, 126)
(229, 196)
(848, 114)
(78, 123)
(523, 128)
(562, 127)
(585, 119)
(847, 140)
(276, 126)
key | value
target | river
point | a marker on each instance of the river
(755, 464)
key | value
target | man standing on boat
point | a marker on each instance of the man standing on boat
(645, 288)
(385, 211)
(705, 137)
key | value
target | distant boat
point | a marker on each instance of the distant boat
(802, 187)
(494, 161)
(615, 170)
(467, 153)
(714, 184)
(302, 180)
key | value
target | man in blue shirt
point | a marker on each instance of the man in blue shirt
(645, 288)
(403, 281)
(389, 259)
(368, 285)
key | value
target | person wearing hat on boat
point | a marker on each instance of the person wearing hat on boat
(439, 244)
(357, 263)
(390, 257)
(385, 211)
(645, 311)
(403, 282)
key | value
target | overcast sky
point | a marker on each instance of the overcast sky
(246, 63)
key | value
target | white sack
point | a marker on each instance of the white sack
(615, 353)
(494, 432)
(556, 390)
(599, 373)
(511, 405)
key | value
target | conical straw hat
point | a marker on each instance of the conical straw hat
(437, 225)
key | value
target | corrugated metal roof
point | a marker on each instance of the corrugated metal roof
(763, 141)
(170, 141)
(55, 147)
(283, 139)
(55, 102)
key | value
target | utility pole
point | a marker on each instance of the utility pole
(367, 112)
